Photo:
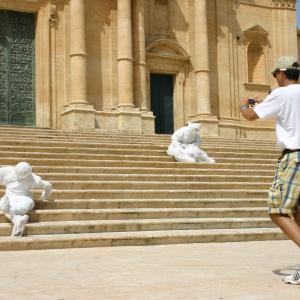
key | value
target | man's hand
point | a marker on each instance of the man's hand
(244, 102)
(247, 111)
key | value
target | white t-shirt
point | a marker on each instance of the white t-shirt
(284, 105)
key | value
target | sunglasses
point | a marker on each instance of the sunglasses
(275, 73)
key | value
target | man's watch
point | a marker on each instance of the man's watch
(244, 107)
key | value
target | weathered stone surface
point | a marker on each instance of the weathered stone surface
(100, 54)
(111, 190)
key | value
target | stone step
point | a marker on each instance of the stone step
(113, 189)
(153, 194)
(82, 145)
(98, 132)
(83, 157)
(98, 226)
(124, 137)
(89, 140)
(157, 185)
(47, 215)
(217, 153)
(100, 157)
(235, 164)
(87, 134)
(150, 203)
(155, 177)
(141, 238)
(109, 149)
(49, 170)
(44, 133)
(95, 146)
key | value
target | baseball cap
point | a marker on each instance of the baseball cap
(286, 62)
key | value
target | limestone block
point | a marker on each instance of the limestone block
(107, 121)
(209, 125)
(129, 120)
(148, 122)
(78, 117)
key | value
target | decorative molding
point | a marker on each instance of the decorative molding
(161, 2)
(255, 33)
(53, 16)
(285, 3)
(256, 30)
(249, 86)
(167, 48)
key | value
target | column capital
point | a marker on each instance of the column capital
(285, 3)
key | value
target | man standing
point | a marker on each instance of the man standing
(283, 104)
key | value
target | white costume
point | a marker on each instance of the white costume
(17, 201)
(185, 145)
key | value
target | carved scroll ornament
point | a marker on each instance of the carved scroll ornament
(53, 17)
(285, 3)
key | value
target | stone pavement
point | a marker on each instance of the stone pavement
(220, 271)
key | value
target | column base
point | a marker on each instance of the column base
(242, 129)
(79, 117)
(209, 124)
(125, 120)
(148, 122)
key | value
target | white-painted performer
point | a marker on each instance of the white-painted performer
(185, 145)
(17, 201)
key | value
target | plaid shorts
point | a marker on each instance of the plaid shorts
(284, 195)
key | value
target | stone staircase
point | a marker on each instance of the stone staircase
(113, 190)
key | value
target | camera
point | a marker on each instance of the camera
(251, 101)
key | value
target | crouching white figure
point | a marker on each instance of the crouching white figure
(17, 201)
(185, 145)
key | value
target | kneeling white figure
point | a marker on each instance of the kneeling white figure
(17, 200)
(185, 145)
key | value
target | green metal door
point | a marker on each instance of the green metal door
(162, 102)
(17, 70)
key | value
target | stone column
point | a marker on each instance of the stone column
(139, 50)
(202, 59)
(78, 53)
(125, 55)
(78, 115)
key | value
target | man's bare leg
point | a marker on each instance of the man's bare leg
(289, 226)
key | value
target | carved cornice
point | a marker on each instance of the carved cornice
(285, 3)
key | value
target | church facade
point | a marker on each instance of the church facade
(141, 66)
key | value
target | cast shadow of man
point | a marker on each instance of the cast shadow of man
(288, 270)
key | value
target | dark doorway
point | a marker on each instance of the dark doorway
(17, 68)
(162, 102)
